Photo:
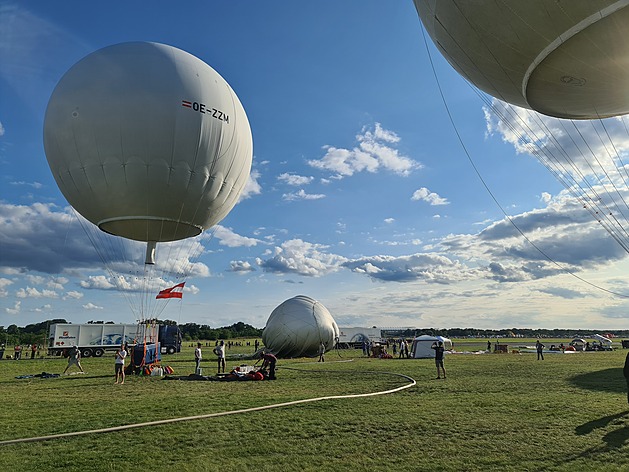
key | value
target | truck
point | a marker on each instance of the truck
(354, 337)
(94, 339)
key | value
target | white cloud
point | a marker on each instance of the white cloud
(4, 283)
(91, 306)
(1, 129)
(372, 154)
(15, 310)
(389, 220)
(302, 195)
(230, 239)
(430, 197)
(303, 258)
(35, 185)
(252, 187)
(428, 267)
(241, 266)
(294, 180)
(73, 294)
(31, 292)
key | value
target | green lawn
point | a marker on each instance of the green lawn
(494, 412)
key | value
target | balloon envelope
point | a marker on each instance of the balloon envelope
(563, 59)
(298, 326)
(147, 141)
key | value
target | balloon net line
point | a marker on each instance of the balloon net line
(578, 187)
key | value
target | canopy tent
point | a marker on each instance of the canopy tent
(422, 346)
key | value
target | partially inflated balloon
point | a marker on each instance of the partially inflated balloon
(298, 326)
(148, 142)
(563, 59)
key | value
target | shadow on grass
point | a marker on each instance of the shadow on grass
(616, 438)
(607, 380)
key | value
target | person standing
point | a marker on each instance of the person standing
(197, 359)
(321, 352)
(33, 351)
(625, 372)
(219, 350)
(439, 352)
(268, 361)
(74, 358)
(539, 347)
(121, 355)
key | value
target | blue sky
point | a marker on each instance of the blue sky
(361, 195)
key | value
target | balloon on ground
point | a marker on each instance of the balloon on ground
(298, 326)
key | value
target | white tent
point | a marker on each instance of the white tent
(422, 346)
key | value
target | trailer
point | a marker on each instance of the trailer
(94, 339)
(354, 337)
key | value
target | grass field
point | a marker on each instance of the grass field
(494, 412)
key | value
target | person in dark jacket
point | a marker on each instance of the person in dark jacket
(439, 352)
(625, 372)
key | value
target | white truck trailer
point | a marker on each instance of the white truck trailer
(354, 337)
(93, 339)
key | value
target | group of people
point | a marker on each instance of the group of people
(74, 359)
(18, 349)
(268, 360)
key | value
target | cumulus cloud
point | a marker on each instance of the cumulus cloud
(294, 180)
(131, 284)
(302, 195)
(15, 310)
(73, 294)
(35, 185)
(373, 152)
(230, 239)
(241, 266)
(1, 129)
(430, 197)
(91, 306)
(31, 292)
(301, 257)
(42, 238)
(43, 308)
(4, 283)
(428, 267)
(588, 156)
(252, 187)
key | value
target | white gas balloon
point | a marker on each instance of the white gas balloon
(563, 59)
(298, 326)
(147, 142)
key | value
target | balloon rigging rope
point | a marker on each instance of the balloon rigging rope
(411, 383)
(507, 216)
(604, 216)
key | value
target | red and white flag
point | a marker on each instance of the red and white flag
(172, 292)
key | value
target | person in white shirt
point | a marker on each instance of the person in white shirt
(219, 350)
(197, 358)
(121, 354)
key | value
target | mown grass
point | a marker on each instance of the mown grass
(494, 412)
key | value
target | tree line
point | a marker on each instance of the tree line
(37, 333)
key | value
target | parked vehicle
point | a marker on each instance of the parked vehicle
(94, 339)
